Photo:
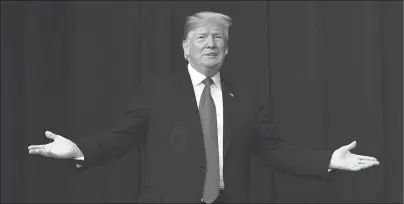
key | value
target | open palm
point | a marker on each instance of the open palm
(343, 159)
(60, 148)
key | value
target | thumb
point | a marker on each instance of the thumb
(351, 146)
(50, 135)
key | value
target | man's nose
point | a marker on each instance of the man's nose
(210, 42)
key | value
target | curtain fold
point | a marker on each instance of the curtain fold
(332, 73)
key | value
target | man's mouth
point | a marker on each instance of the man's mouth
(211, 54)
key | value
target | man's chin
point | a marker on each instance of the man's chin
(212, 65)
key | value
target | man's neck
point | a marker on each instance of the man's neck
(197, 77)
(208, 72)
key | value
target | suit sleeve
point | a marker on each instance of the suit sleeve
(127, 133)
(284, 157)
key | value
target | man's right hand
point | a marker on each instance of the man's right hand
(60, 148)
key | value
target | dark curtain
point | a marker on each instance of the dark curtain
(332, 72)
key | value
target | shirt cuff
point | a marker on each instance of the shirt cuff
(79, 159)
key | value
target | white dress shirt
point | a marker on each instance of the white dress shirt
(216, 92)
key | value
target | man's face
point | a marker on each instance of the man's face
(206, 47)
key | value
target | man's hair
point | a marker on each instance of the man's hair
(197, 19)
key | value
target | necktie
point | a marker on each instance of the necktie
(207, 113)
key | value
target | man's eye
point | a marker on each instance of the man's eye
(200, 37)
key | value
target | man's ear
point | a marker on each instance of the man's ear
(185, 47)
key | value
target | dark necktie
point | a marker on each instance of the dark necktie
(207, 112)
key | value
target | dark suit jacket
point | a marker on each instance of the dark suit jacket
(164, 114)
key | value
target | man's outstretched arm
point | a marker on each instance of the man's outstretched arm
(104, 146)
(299, 160)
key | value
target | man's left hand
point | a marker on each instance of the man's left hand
(343, 159)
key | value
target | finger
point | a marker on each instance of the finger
(365, 166)
(50, 135)
(351, 146)
(367, 162)
(361, 157)
(42, 152)
(36, 147)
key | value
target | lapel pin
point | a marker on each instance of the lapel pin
(232, 95)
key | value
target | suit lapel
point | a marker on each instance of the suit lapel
(185, 98)
(229, 110)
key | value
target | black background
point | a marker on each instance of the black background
(332, 72)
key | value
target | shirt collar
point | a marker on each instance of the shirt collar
(197, 77)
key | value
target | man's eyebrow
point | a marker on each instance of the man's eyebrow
(213, 32)
(201, 33)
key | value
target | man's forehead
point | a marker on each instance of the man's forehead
(209, 27)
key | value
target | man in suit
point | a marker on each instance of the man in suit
(200, 130)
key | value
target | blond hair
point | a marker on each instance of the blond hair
(199, 18)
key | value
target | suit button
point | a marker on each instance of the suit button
(201, 168)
